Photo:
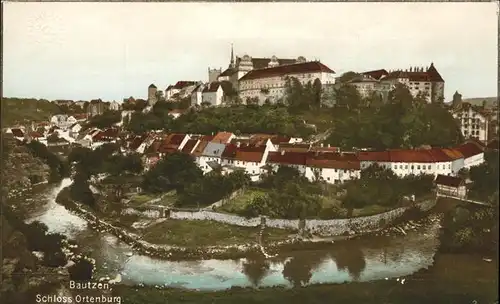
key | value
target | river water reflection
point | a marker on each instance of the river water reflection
(375, 258)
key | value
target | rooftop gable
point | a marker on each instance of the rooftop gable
(291, 69)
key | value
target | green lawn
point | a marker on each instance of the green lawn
(140, 199)
(238, 204)
(371, 210)
(168, 199)
(206, 233)
(330, 201)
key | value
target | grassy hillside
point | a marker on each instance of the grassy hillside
(20, 110)
(490, 101)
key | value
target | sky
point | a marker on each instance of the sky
(83, 51)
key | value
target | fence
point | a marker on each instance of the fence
(312, 226)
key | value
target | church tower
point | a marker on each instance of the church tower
(232, 64)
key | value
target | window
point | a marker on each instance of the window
(406, 166)
(412, 167)
(418, 167)
(428, 167)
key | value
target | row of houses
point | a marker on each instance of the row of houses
(257, 154)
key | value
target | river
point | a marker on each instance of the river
(375, 258)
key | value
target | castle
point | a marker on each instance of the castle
(240, 66)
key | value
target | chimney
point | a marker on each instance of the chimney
(321, 145)
(282, 152)
(328, 145)
(238, 144)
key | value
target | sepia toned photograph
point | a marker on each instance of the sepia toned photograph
(210, 152)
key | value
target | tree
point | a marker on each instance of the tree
(348, 96)
(174, 171)
(347, 76)
(255, 270)
(58, 167)
(105, 120)
(80, 190)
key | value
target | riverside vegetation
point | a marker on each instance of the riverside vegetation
(23, 273)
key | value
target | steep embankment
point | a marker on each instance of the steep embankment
(20, 169)
(23, 275)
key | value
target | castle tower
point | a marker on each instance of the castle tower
(152, 94)
(457, 99)
(213, 74)
(437, 84)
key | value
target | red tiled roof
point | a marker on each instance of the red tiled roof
(171, 143)
(412, 156)
(298, 68)
(212, 87)
(334, 163)
(289, 158)
(450, 181)
(325, 149)
(261, 63)
(453, 153)
(110, 133)
(176, 139)
(280, 140)
(252, 148)
(241, 141)
(137, 141)
(207, 138)
(431, 75)
(376, 74)
(249, 156)
(232, 149)
(36, 134)
(182, 84)
(229, 151)
(200, 148)
(434, 74)
(17, 132)
(153, 148)
(222, 137)
(228, 72)
(188, 147)
(469, 149)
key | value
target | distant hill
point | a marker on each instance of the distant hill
(491, 102)
(20, 110)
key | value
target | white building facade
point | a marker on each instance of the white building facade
(268, 85)
(473, 124)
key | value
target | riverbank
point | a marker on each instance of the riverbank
(231, 251)
(444, 282)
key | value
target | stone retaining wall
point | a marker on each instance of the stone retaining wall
(317, 227)
(360, 224)
(215, 216)
(150, 213)
(282, 224)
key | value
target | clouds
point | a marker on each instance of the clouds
(114, 50)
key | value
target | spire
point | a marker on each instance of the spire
(232, 56)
